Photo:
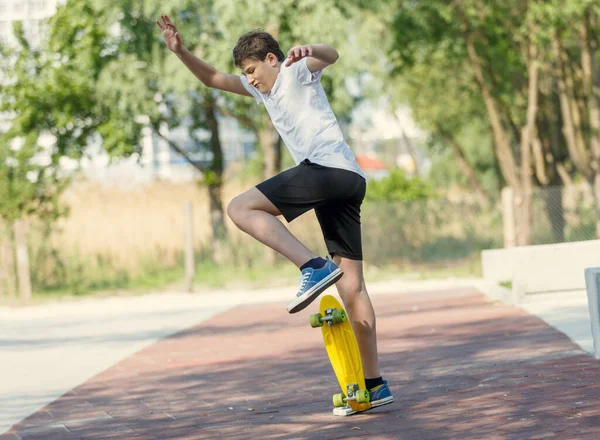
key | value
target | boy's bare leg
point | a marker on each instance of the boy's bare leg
(254, 214)
(353, 291)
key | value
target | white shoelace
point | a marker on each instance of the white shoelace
(302, 280)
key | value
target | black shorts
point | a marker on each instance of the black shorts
(334, 194)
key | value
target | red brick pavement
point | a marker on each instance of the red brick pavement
(459, 365)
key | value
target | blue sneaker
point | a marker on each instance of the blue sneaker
(380, 395)
(314, 282)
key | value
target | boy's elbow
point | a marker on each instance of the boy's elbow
(334, 55)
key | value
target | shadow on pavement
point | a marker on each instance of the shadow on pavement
(460, 367)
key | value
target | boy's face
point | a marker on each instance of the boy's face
(261, 74)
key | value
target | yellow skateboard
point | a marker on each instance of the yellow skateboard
(343, 352)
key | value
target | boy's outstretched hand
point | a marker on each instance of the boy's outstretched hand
(170, 34)
(296, 53)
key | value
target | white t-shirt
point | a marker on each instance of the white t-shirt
(300, 111)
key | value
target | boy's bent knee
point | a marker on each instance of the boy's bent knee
(252, 200)
(235, 209)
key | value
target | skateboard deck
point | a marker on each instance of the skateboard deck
(343, 353)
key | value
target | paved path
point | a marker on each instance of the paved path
(460, 365)
(46, 350)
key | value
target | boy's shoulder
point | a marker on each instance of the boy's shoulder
(300, 72)
(288, 70)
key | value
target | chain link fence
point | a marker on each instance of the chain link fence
(429, 233)
(426, 234)
(446, 232)
(562, 214)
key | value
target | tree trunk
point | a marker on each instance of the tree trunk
(595, 184)
(527, 139)
(550, 171)
(547, 146)
(508, 217)
(278, 154)
(188, 249)
(7, 267)
(268, 140)
(411, 152)
(217, 222)
(501, 139)
(503, 149)
(553, 201)
(22, 254)
(594, 94)
(591, 87)
(569, 111)
(215, 182)
(564, 175)
(270, 145)
(3, 273)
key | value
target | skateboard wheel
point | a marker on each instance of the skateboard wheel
(338, 400)
(363, 396)
(316, 320)
(338, 316)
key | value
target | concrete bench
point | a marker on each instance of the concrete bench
(541, 268)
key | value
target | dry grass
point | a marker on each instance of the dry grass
(125, 225)
(115, 237)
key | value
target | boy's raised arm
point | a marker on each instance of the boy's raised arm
(206, 73)
(210, 76)
(319, 56)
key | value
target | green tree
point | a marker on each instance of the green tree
(459, 144)
(132, 83)
(30, 177)
(29, 184)
(571, 35)
(154, 86)
(498, 54)
(398, 188)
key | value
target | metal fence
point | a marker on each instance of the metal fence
(563, 214)
(437, 232)
(443, 232)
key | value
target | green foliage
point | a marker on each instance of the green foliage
(211, 178)
(476, 142)
(52, 93)
(434, 69)
(30, 182)
(28, 188)
(397, 187)
(55, 89)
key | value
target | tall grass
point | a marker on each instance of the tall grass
(118, 238)
(115, 238)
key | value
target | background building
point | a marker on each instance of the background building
(30, 12)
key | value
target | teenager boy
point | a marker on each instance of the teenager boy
(326, 178)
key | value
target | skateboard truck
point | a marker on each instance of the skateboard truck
(332, 317)
(353, 393)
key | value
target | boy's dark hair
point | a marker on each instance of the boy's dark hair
(256, 45)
